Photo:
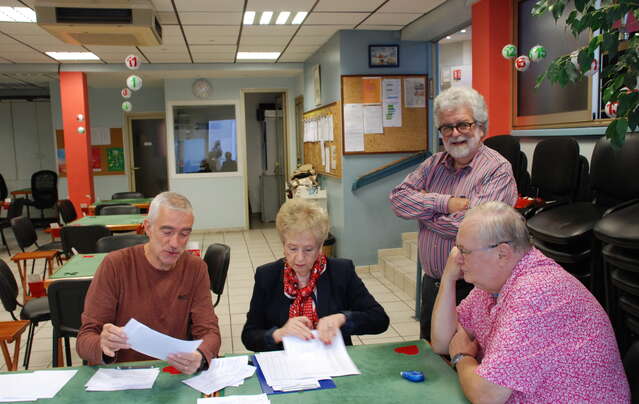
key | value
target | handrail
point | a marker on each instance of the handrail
(389, 169)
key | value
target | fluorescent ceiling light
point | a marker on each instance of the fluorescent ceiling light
(17, 14)
(283, 17)
(448, 37)
(299, 17)
(463, 31)
(249, 16)
(266, 17)
(73, 55)
(258, 55)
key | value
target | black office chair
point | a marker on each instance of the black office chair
(509, 147)
(15, 209)
(4, 192)
(67, 211)
(631, 365)
(83, 239)
(127, 195)
(26, 237)
(35, 310)
(66, 301)
(217, 258)
(563, 231)
(112, 243)
(44, 191)
(124, 209)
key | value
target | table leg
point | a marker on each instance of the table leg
(60, 353)
(7, 357)
(16, 352)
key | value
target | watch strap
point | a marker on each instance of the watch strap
(458, 356)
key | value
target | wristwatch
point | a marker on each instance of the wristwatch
(457, 357)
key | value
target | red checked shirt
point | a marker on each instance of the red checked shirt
(545, 337)
(488, 177)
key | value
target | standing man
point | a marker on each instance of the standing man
(157, 284)
(447, 184)
(529, 332)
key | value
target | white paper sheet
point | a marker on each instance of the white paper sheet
(353, 127)
(315, 358)
(222, 373)
(154, 344)
(373, 118)
(392, 102)
(32, 386)
(100, 136)
(415, 92)
(113, 379)
(251, 399)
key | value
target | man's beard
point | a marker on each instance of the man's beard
(464, 149)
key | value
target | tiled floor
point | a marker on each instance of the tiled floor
(249, 249)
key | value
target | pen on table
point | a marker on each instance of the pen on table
(134, 367)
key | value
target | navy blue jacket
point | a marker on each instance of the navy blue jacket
(339, 290)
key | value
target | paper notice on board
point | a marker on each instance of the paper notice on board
(353, 127)
(329, 120)
(327, 153)
(373, 119)
(415, 92)
(392, 102)
(322, 151)
(100, 136)
(372, 90)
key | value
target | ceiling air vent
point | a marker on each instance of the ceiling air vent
(117, 23)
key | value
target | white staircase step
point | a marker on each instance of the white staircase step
(399, 265)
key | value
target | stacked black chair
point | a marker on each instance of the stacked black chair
(44, 191)
(564, 231)
(67, 211)
(4, 192)
(82, 239)
(112, 243)
(509, 147)
(124, 209)
(631, 365)
(15, 209)
(127, 195)
(217, 258)
(26, 237)
(66, 301)
(34, 310)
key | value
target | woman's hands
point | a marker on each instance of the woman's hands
(329, 325)
(301, 327)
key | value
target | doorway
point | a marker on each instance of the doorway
(266, 156)
(147, 137)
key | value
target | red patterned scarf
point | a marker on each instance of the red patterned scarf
(303, 303)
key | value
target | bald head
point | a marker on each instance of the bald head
(496, 222)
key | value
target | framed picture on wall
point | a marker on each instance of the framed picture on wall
(383, 55)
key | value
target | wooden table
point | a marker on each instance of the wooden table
(112, 222)
(21, 259)
(11, 331)
(142, 203)
(23, 191)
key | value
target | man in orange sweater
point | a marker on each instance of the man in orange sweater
(158, 285)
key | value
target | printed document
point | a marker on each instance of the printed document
(155, 344)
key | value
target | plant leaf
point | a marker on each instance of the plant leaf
(621, 129)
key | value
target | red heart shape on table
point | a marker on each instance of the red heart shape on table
(171, 370)
(407, 350)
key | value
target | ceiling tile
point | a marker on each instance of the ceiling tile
(209, 5)
(8, 47)
(124, 50)
(22, 28)
(392, 18)
(260, 48)
(302, 48)
(204, 49)
(62, 47)
(294, 57)
(269, 30)
(335, 18)
(380, 27)
(268, 40)
(310, 40)
(172, 35)
(350, 5)
(326, 30)
(218, 18)
(167, 18)
(214, 58)
(218, 35)
(162, 5)
(170, 58)
(410, 6)
(156, 50)
(29, 57)
(40, 41)
(280, 5)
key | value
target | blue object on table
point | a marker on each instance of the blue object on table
(413, 376)
(266, 389)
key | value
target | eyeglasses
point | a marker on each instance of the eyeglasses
(465, 252)
(462, 127)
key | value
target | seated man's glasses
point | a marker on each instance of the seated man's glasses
(462, 127)
(465, 252)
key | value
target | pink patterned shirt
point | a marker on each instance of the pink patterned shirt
(488, 177)
(545, 337)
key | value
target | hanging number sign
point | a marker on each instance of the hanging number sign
(126, 93)
(132, 62)
(126, 106)
(134, 82)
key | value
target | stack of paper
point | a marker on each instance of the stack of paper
(32, 386)
(222, 373)
(122, 379)
(253, 399)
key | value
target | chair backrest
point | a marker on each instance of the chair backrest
(124, 209)
(44, 188)
(217, 258)
(4, 192)
(612, 170)
(112, 243)
(67, 211)
(83, 238)
(23, 231)
(631, 365)
(556, 168)
(66, 302)
(15, 208)
(127, 195)
(508, 146)
(8, 288)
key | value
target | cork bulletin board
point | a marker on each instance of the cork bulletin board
(313, 149)
(403, 104)
(106, 159)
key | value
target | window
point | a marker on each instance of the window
(205, 138)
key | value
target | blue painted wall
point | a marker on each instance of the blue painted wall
(362, 222)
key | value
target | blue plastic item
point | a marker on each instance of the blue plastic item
(414, 376)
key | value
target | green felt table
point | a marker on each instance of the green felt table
(79, 266)
(168, 388)
(113, 222)
(380, 381)
(142, 203)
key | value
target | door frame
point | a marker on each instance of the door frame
(128, 143)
